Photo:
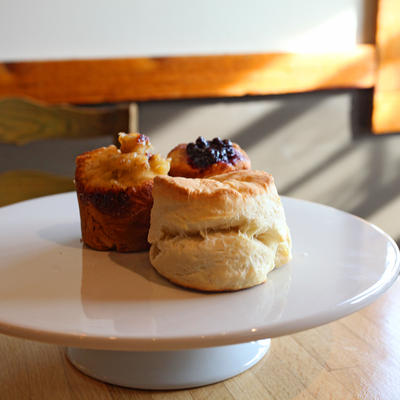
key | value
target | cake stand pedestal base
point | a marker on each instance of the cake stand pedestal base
(161, 370)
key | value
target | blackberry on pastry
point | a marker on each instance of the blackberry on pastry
(114, 188)
(204, 158)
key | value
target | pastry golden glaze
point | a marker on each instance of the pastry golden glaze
(220, 233)
(210, 161)
(114, 188)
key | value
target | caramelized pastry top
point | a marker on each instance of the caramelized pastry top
(130, 165)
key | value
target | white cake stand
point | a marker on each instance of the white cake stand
(126, 325)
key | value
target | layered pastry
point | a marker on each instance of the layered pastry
(114, 188)
(204, 158)
(226, 232)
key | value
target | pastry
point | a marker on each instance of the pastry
(220, 233)
(205, 158)
(114, 193)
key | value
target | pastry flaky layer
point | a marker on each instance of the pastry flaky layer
(221, 233)
(114, 188)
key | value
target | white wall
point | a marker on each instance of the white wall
(54, 29)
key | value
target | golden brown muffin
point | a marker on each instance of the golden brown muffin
(114, 188)
(205, 158)
(226, 232)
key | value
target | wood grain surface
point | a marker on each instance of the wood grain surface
(357, 357)
(112, 80)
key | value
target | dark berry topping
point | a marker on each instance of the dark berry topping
(230, 151)
(204, 153)
(190, 147)
(217, 142)
(201, 143)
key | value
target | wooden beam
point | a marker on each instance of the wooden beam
(97, 81)
(386, 105)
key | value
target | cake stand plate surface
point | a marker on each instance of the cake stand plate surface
(117, 315)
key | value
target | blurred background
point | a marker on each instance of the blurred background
(309, 89)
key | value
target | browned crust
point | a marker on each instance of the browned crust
(116, 219)
(217, 188)
(180, 164)
(116, 202)
(113, 218)
(80, 163)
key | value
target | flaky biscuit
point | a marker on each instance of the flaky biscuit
(222, 233)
